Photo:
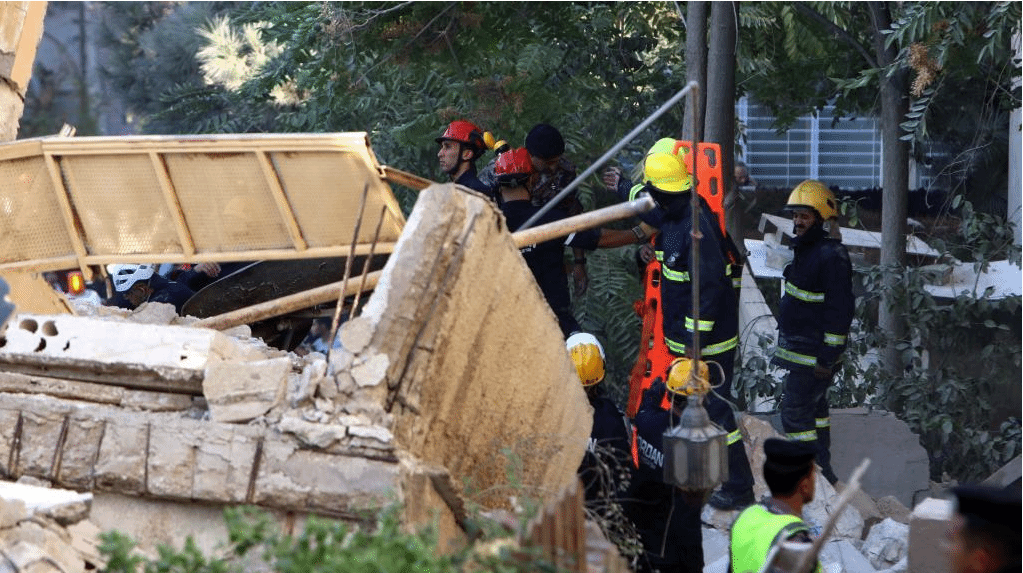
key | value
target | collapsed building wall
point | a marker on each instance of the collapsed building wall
(21, 28)
(454, 372)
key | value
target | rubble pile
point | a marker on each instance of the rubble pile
(440, 388)
(46, 530)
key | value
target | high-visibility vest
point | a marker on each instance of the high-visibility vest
(755, 532)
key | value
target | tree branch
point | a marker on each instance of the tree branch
(836, 31)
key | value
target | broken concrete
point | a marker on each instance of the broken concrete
(433, 396)
(887, 544)
(899, 465)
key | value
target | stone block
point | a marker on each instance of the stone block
(171, 462)
(886, 544)
(8, 426)
(81, 448)
(239, 392)
(296, 479)
(62, 505)
(224, 463)
(889, 506)
(41, 439)
(121, 464)
(849, 524)
(12, 511)
(928, 526)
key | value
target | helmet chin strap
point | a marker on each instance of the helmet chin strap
(458, 166)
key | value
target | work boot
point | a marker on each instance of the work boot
(725, 500)
(824, 454)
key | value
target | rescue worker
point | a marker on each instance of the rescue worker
(789, 473)
(984, 536)
(461, 145)
(669, 184)
(135, 284)
(815, 312)
(667, 520)
(546, 148)
(513, 171)
(607, 454)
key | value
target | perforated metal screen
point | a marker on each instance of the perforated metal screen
(76, 202)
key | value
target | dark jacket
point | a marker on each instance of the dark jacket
(470, 180)
(166, 291)
(547, 260)
(608, 448)
(719, 314)
(655, 505)
(817, 302)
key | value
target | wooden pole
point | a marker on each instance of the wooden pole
(286, 304)
(583, 221)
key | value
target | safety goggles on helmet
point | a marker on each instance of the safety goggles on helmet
(814, 195)
(587, 356)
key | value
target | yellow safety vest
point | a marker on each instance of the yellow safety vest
(755, 532)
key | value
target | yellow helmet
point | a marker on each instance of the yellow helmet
(814, 195)
(588, 357)
(667, 173)
(663, 145)
(679, 374)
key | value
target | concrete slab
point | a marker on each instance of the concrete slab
(899, 465)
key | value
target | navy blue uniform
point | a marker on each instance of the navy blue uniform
(547, 260)
(470, 180)
(668, 524)
(609, 444)
(718, 320)
(815, 313)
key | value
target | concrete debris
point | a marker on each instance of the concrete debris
(904, 468)
(44, 529)
(890, 507)
(239, 392)
(842, 555)
(886, 544)
(928, 522)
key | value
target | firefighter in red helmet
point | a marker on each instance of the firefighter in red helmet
(460, 146)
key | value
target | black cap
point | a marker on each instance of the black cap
(788, 456)
(545, 141)
(985, 506)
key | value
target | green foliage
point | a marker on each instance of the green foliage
(324, 545)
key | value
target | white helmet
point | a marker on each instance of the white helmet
(126, 275)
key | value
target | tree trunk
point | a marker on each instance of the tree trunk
(696, 64)
(720, 116)
(895, 183)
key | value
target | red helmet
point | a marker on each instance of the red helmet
(467, 133)
(513, 165)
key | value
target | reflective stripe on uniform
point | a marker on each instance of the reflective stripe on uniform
(734, 436)
(737, 283)
(803, 295)
(705, 325)
(676, 347)
(659, 255)
(822, 422)
(833, 339)
(807, 436)
(711, 350)
(720, 347)
(677, 276)
(795, 357)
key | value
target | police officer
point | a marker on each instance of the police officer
(669, 184)
(985, 533)
(461, 145)
(789, 473)
(815, 312)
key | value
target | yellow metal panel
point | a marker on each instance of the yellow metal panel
(190, 199)
(31, 226)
